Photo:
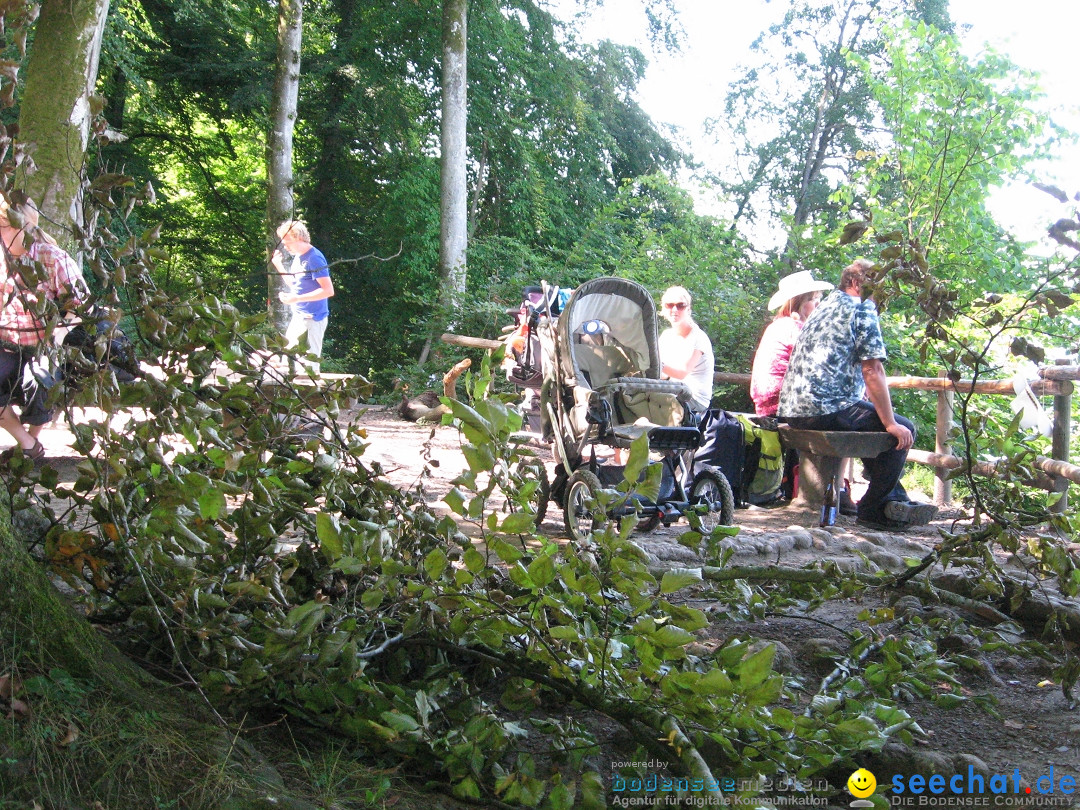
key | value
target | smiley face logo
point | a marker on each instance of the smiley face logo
(861, 783)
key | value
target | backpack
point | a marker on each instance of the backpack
(723, 447)
(763, 470)
(116, 348)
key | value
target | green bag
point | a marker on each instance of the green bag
(763, 472)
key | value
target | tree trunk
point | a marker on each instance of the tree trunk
(55, 117)
(453, 208)
(279, 144)
(453, 236)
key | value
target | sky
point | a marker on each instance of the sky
(685, 89)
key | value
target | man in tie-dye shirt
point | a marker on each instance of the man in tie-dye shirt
(836, 381)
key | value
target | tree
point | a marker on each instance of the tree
(279, 141)
(56, 108)
(803, 113)
(453, 234)
(453, 203)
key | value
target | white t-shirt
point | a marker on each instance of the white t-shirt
(675, 351)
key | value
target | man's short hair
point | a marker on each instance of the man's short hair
(858, 270)
(295, 227)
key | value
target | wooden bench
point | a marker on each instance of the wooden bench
(820, 453)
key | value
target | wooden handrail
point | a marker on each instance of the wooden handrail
(1047, 387)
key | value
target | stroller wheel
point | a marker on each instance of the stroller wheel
(713, 488)
(580, 507)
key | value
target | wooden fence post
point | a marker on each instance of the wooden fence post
(942, 484)
(1061, 440)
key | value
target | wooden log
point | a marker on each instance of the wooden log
(1055, 386)
(943, 485)
(469, 342)
(1047, 466)
(1039, 387)
(729, 377)
(1060, 373)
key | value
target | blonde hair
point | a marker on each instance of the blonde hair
(676, 294)
(295, 227)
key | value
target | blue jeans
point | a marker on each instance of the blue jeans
(883, 472)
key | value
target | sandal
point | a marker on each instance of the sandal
(35, 453)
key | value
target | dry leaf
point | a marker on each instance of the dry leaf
(1013, 724)
(20, 709)
(71, 736)
(1045, 683)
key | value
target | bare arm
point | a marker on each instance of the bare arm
(275, 259)
(680, 373)
(326, 290)
(877, 389)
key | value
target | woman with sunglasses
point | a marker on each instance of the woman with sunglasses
(686, 352)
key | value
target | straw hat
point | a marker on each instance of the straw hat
(795, 285)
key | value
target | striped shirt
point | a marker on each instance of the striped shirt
(32, 288)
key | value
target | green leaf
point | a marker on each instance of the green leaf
(542, 570)
(329, 534)
(519, 523)
(435, 563)
(211, 504)
(755, 668)
(638, 458)
(678, 578)
(670, 636)
(455, 500)
(466, 789)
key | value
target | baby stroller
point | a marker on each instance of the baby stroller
(603, 388)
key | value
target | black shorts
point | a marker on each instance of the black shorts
(22, 384)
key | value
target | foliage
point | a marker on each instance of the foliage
(553, 131)
(957, 128)
(802, 112)
(235, 529)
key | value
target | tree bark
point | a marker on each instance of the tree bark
(55, 115)
(453, 235)
(279, 144)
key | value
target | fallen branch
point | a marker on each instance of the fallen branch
(923, 590)
(663, 737)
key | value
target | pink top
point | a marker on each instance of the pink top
(771, 362)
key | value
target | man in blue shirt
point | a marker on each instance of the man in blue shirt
(309, 279)
(836, 381)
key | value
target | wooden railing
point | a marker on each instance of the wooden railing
(1055, 472)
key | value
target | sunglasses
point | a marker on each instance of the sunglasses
(679, 305)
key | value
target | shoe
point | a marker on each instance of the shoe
(35, 453)
(882, 525)
(915, 514)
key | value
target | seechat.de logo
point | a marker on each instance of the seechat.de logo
(861, 784)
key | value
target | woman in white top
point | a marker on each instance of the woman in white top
(685, 350)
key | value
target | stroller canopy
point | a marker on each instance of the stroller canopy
(607, 330)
